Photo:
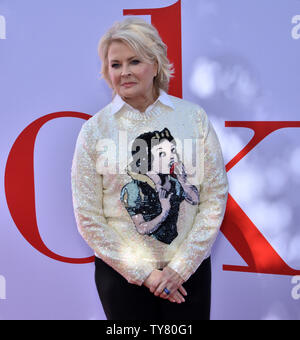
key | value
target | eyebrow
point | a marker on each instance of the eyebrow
(116, 60)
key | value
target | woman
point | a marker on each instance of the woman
(151, 227)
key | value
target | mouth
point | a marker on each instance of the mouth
(172, 167)
(128, 84)
(172, 163)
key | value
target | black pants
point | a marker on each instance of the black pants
(125, 301)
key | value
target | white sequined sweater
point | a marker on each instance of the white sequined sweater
(149, 189)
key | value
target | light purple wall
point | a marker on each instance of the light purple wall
(240, 62)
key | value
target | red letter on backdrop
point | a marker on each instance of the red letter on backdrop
(237, 227)
(167, 21)
(19, 185)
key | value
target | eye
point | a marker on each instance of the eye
(162, 154)
(135, 61)
(173, 150)
(115, 65)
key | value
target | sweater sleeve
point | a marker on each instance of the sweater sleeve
(87, 195)
(211, 208)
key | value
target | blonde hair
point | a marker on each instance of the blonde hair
(144, 39)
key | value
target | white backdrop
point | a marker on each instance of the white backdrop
(240, 62)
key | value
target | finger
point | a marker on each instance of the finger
(153, 287)
(164, 295)
(179, 296)
(182, 290)
(160, 289)
(176, 297)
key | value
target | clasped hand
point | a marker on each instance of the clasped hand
(158, 280)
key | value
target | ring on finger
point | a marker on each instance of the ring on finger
(166, 290)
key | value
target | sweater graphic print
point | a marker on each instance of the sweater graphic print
(158, 186)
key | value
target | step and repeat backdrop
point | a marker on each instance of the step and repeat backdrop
(239, 60)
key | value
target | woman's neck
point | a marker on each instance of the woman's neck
(142, 102)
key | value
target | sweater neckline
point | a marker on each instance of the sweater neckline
(135, 115)
(119, 106)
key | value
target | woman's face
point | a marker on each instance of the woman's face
(164, 155)
(131, 76)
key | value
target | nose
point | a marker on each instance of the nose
(126, 71)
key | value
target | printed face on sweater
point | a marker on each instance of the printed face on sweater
(164, 156)
(130, 75)
(153, 197)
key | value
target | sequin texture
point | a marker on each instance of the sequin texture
(98, 174)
